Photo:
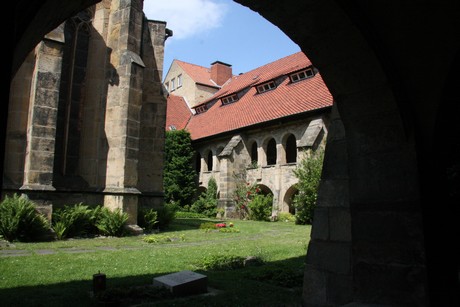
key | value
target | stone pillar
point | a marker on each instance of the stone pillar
(153, 117)
(41, 130)
(124, 98)
(16, 138)
(280, 154)
(261, 156)
(328, 263)
(93, 145)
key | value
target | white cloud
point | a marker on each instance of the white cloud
(186, 17)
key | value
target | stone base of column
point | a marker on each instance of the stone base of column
(228, 206)
(127, 202)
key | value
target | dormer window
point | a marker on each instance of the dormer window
(266, 87)
(201, 109)
(229, 99)
(300, 75)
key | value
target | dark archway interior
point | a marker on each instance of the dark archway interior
(291, 149)
(271, 152)
(390, 179)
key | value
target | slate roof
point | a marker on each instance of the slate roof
(177, 112)
(252, 108)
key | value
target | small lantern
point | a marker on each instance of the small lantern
(98, 282)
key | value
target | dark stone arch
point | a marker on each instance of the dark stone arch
(264, 190)
(254, 153)
(333, 34)
(289, 197)
(271, 152)
(198, 162)
(290, 146)
(209, 160)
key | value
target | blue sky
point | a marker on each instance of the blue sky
(208, 30)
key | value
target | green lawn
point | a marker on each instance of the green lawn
(60, 273)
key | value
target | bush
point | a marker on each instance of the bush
(166, 215)
(309, 174)
(207, 202)
(286, 217)
(189, 215)
(19, 220)
(260, 207)
(147, 219)
(221, 262)
(72, 221)
(112, 223)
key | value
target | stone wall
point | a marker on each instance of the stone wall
(231, 157)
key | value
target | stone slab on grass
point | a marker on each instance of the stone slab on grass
(183, 283)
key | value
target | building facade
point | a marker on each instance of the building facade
(87, 111)
(256, 128)
(196, 83)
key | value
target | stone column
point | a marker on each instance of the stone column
(18, 113)
(329, 252)
(153, 117)
(124, 99)
(41, 130)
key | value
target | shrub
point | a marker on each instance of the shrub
(208, 225)
(286, 217)
(147, 219)
(166, 214)
(77, 220)
(309, 174)
(19, 220)
(189, 215)
(207, 202)
(111, 223)
(260, 207)
(221, 262)
(163, 238)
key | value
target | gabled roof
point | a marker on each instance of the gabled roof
(177, 112)
(199, 74)
(253, 108)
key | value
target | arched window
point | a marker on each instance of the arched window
(209, 161)
(198, 162)
(271, 152)
(254, 157)
(291, 149)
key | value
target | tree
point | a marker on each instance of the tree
(179, 174)
(309, 174)
(207, 202)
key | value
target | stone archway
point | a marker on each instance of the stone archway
(372, 57)
(288, 198)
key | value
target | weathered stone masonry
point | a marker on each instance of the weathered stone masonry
(96, 112)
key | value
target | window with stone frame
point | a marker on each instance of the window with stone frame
(271, 152)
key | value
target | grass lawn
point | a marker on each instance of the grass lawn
(60, 273)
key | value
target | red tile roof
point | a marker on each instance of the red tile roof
(199, 74)
(253, 108)
(177, 112)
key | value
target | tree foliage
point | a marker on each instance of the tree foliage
(207, 202)
(308, 172)
(179, 174)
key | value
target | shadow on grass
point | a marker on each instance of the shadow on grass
(277, 283)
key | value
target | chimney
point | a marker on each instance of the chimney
(220, 72)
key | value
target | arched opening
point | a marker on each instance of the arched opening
(209, 160)
(219, 150)
(324, 40)
(264, 190)
(254, 154)
(291, 149)
(288, 205)
(271, 152)
(198, 162)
